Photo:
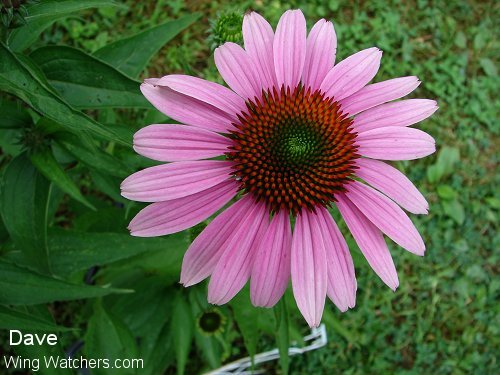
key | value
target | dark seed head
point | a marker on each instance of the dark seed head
(293, 149)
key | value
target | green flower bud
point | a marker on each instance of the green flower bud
(226, 28)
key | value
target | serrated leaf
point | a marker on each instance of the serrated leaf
(19, 76)
(182, 332)
(43, 14)
(24, 206)
(86, 82)
(20, 286)
(131, 55)
(15, 319)
(46, 164)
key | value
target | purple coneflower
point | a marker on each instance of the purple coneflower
(293, 136)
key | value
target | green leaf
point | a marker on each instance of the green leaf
(15, 319)
(146, 323)
(182, 332)
(43, 351)
(162, 354)
(455, 210)
(45, 162)
(446, 192)
(448, 157)
(489, 67)
(461, 40)
(92, 156)
(43, 14)
(282, 334)
(247, 318)
(73, 251)
(107, 337)
(87, 82)
(163, 258)
(20, 77)
(20, 286)
(131, 55)
(13, 117)
(24, 205)
(335, 324)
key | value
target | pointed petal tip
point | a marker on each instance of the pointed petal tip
(313, 324)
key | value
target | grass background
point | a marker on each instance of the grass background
(444, 316)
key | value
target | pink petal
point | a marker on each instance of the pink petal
(341, 277)
(170, 142)
(320, 54)
(235, 266)
(309, 267)
(351, 74)
(395, 143)
(290, 48)
(186, 109)
(271, 267)
(238, 70)
(175, 215)
(206, 250)
(402, 113)
(208, 92)
(386, 216)
(175, 180)
(392, 183)
(378, 93)
(258, 36)
(370, 241)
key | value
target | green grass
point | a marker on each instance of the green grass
(444, 318)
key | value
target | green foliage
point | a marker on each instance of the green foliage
(24, 207)
(86, 82)
(69, 106)
(20, 286)
(132, 54)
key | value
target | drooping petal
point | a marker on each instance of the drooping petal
(290, 48)
(258, 36)
(171, 142)
(342, 284)
(175, 180)
(238, 71)
(173, 216)
(370, 241)
(320, 54)
(309, 267)
(386, 216)
(235, 265)
(271, 267)
(351, 74)
(205, 91)
(401, 113)
(205, 251)
(378, 93)
(392, 183)
(395, 143)
(186, 109)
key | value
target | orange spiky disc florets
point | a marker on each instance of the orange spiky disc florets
(293, 149)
